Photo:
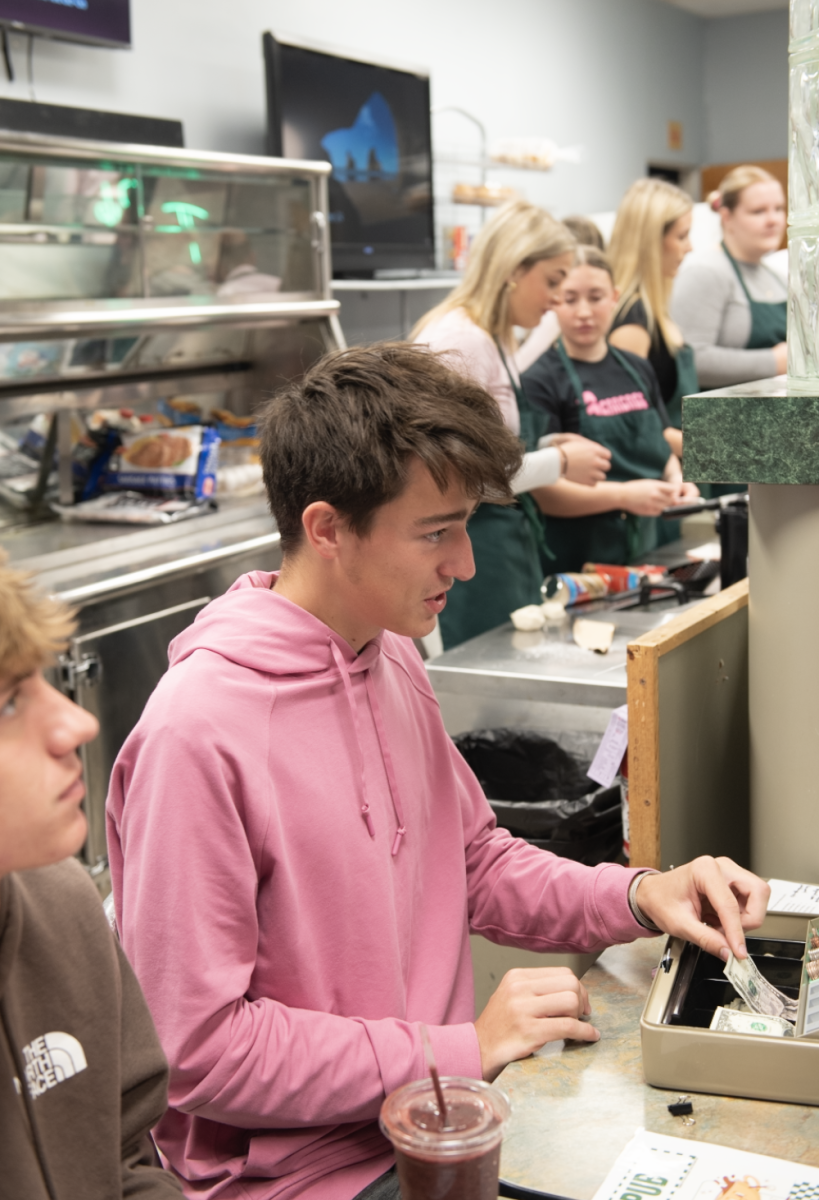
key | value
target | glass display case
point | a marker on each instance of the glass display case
(132, 263)
(130, 276)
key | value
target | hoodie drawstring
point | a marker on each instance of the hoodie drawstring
(385, 750)
(379, 728)
(348, 688)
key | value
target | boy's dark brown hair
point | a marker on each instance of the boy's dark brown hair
(347, 431)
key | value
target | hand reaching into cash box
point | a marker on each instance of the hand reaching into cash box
(709, 901)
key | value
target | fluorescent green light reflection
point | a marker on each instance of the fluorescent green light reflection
(113, 201)
(185, 213)
(196, 253)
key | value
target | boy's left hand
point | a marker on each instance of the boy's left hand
(709, 901)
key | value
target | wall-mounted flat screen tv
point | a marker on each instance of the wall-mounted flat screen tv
(100, 22)
(372, 123)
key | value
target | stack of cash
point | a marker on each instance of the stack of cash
(760, 995)
(731, 1021)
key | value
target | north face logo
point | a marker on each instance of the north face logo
(50, 1060)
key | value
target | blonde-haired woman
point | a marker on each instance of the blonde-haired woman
(516, 267)
(730, 303)
(649, 241)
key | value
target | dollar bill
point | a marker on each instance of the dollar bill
(760, 995)
(731, 1021)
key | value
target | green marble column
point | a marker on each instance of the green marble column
(768, 434)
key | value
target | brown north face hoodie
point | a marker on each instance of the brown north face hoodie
(82, 1075)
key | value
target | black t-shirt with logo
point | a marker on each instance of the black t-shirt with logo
(609, 393)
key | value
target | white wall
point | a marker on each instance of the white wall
(746, 87)
(605, 73)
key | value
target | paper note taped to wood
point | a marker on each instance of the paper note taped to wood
(593, 635)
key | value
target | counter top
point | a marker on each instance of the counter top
(576, 1106)
(83, 560)
(765, 431)
(547, 664)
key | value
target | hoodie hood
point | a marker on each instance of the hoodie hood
(255, 628)
(258, 629)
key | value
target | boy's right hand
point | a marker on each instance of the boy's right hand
(648, 497)
(588, 461)
(532, 1006)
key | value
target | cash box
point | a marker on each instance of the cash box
(681, 1052)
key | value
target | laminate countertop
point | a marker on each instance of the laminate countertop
(576, 1106)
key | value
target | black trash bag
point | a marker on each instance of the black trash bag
(522, 765)
(541, 793)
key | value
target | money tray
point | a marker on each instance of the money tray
(680, 1051)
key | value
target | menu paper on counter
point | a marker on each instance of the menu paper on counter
(656, 1167)
(606, 762)
(801, 899)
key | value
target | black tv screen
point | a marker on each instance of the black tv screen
(101, 22)
(372, 123)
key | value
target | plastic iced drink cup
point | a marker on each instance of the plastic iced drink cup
(457, 1162)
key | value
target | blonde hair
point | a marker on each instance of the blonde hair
(592, 256)
(729, 192)
(519, 235)
(646, 213)
(585, 231)
(33, 627)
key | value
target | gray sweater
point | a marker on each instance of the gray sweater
(710, 308)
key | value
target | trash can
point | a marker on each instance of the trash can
(540, 792)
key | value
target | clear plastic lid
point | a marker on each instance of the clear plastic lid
(476, 1115)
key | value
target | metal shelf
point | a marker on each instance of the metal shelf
(119, 318)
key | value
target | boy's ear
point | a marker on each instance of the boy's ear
(322, 524)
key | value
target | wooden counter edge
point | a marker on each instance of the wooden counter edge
(642, 673)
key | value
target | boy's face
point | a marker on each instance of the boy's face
(396, 577)
(41, 787)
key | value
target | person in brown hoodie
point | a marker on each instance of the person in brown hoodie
(82, 1075)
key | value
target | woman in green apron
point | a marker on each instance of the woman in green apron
(649, 241)
(585, 385)
(730, 300)
(516, 267)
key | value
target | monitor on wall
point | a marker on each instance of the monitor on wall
(99, 22)
(372, 123)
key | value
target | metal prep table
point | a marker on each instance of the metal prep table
(542, 680)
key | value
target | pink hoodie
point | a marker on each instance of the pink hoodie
(298, 854)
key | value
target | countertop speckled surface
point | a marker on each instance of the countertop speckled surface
(575, 1107)
(760, 432)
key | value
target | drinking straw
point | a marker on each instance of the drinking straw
(433, 1070)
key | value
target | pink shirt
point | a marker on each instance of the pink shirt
(472, 352)
(299, 854)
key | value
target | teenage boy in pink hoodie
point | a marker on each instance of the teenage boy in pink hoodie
(299, 853)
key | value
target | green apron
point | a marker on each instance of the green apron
(637, 437)
(769, 320)
(687, 384)
(769, 327)
(509, 547)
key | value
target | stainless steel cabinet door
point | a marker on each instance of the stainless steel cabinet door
(111, 673)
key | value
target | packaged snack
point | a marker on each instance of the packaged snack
(176, 461)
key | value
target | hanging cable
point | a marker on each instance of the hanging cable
(7, 56)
